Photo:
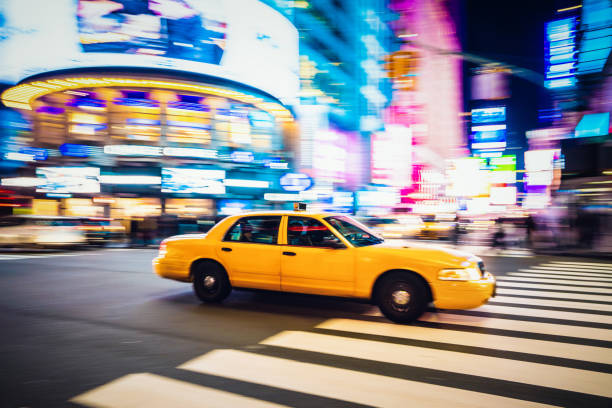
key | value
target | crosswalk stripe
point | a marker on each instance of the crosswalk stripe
(572, 269)
(540, 347)
(548, 314)
(353, 386)
(561, 277)
(565, 281)
(535, 269)
(154, 391)
(551, 303)
(509, 284)
(589, 264)
(562, 295)
(543, 375)
(41, 256)
(552, 329)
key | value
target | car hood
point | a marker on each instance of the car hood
(427, 254)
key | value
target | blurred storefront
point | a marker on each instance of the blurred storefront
(195, 109)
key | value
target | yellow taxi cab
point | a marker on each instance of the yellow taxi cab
(323, 254)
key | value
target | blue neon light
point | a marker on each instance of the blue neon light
(560, 53)
(38, 153)
(74, 150)
(143, 122)
(594, 124)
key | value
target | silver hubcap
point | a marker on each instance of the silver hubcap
(401, 297)
(209, 281)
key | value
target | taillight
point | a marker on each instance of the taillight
(163, 248)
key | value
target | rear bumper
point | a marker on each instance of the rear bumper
(463, 295)
(171, 269)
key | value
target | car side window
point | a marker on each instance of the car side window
(257, 230)
(306, 231)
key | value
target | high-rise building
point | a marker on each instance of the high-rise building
(344, 89)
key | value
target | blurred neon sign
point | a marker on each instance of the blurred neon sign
(296, 182)
(489, 115)
(560, 53)
(74, 150)
(133, 150)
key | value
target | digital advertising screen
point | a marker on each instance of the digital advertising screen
(240, 40)
(68, 180)
(488, 136)
(489, 115)
(196, 181)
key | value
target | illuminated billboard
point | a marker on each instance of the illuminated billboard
(489, 115)
(561, 53)
(593, 124)
(196, 181)
(240, 40)
(489, 136)
(391, 160)
(68, 180)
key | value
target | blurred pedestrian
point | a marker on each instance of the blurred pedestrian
(456, 231)
(133, 232)
(530, 226)
(499, 237)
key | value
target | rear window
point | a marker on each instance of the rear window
(256, 230)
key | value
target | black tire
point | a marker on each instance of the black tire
(210, 282)
(397, 288)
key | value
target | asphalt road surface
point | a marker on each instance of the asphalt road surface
(98, 329)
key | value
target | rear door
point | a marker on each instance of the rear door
(251, 253)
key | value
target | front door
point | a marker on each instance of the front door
(315, 260)
(251, 253)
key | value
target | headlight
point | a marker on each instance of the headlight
(466, 274)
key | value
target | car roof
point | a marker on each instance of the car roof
(288, 212)
(40, 217)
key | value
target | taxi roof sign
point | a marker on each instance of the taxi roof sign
(299, 206)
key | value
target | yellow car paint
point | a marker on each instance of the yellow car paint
(348, 272)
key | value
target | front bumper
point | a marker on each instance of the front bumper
(465, 294)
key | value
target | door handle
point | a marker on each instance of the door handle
(289, 253)
(226, 249)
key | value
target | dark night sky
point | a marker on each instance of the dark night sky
(513, 32)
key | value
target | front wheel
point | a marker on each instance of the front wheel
(210, 282)
(401, 297)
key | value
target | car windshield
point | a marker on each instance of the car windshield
(356, 233)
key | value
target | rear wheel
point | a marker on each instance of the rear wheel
(210, 282)
(401, 297)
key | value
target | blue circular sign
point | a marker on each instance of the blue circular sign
(296, 182)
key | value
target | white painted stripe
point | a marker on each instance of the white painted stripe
(550, 303)
(552, 329)
(557, 272)
(577, 267)
(153, 391)
(572, 269)
(553, 287)
(490, 341)
(348, 385)
(12, 257)
(561, 277)
(548, 314)
(562, 295)
(543, 375)
(593, 264)
(565, 281)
